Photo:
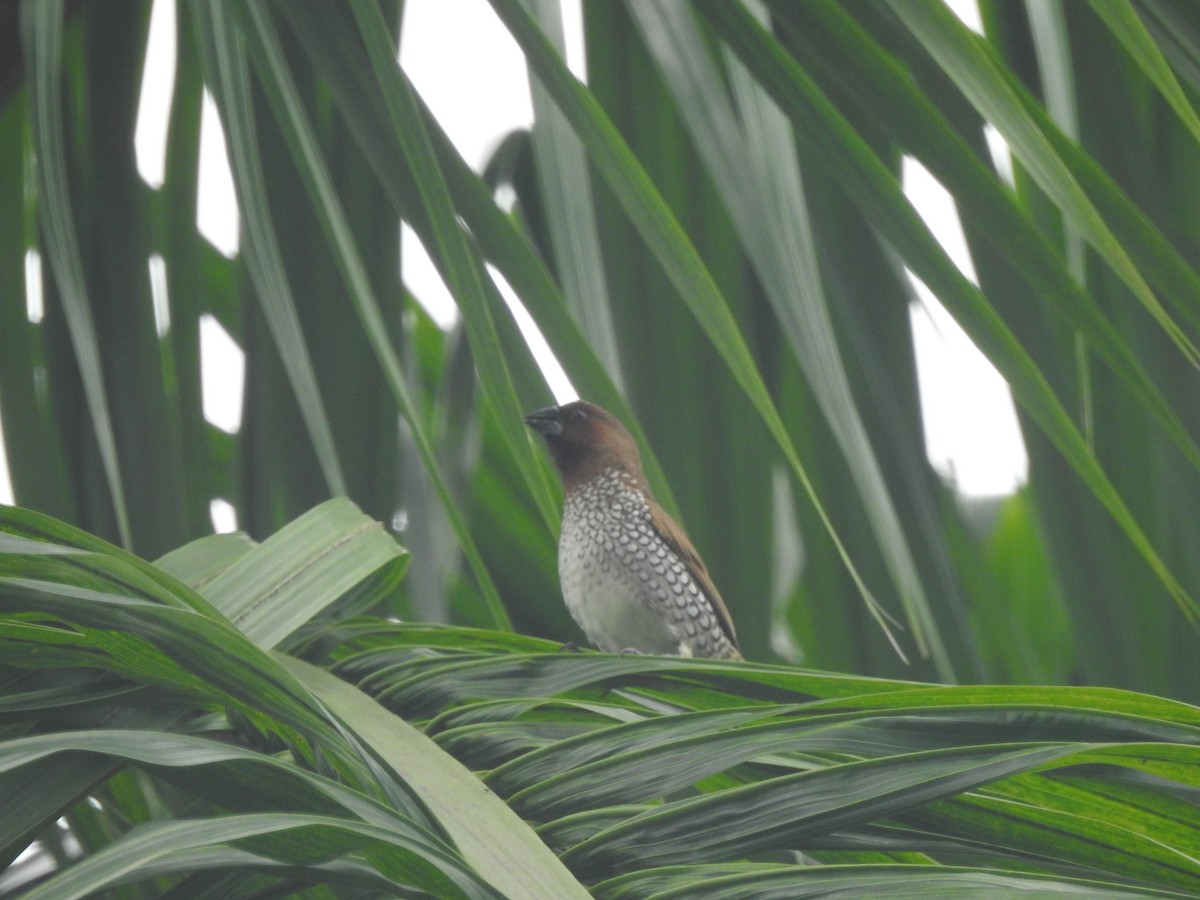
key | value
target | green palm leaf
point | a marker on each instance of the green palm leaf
(261, 769)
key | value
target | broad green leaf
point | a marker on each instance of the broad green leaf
(302, 569)
(183, 846)
(42, 25)
(200, 561)
(977, 74)
(491, 838)
(883, 881)
(1122, 19)
(226, 67)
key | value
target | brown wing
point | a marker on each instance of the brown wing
(677, 540)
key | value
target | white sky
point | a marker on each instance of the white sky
(969, 419)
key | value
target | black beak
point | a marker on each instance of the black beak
(546, 422)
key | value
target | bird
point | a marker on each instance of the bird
(630, 577)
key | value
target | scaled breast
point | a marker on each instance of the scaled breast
(624, 585)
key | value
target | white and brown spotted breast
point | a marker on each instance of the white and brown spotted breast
(623, 583)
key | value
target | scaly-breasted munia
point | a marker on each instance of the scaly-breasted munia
(630, 576)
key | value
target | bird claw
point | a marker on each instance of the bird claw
(631, 651)
(569, 647)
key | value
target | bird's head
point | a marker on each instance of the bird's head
(584, 439)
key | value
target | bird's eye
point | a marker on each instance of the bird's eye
(578, 416)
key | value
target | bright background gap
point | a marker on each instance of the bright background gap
(154, 103)
(34, 301)
(222, 375)
(971, 432)
(216, 200)
(6, 488)
(440, 41)
(158, 294)
(223, 515)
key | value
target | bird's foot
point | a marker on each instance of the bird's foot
(569, 647)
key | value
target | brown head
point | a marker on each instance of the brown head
(584, 439)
